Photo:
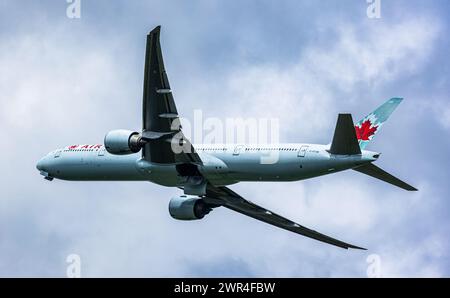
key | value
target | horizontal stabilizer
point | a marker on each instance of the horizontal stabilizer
(376, 172)
(344, 140)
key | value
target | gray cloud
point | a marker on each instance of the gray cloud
(70, 81)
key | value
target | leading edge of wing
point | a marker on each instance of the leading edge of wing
(231, 200)
(161, 125)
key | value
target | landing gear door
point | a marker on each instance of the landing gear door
(237, 150)
(302, 151)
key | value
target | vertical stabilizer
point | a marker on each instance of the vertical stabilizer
(368, 127)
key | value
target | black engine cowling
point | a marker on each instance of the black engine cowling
(188, 207)
(122, 142)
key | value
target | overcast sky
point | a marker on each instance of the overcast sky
(66, 81)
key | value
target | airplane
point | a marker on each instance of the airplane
(161, 154)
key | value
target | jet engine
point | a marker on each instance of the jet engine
(122, 142)
(188, 207)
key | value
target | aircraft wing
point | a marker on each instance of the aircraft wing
(226, 197)
(161, 123)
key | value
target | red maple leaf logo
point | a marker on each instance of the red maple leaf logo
(365, 131)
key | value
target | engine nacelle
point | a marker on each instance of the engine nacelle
(122, 142)
(188, 208)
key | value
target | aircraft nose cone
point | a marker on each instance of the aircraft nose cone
(40, 164)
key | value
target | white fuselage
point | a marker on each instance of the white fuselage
(222, 164)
